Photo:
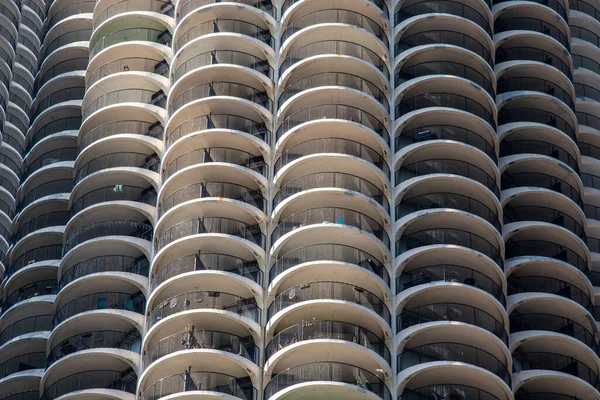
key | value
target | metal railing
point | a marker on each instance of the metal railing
(117, 160)
(378, 3)
(127, 64)
(585, 7)
(543, 248)
(525, 361)
(38, 323)
(108, 228)
(126, 6)
(221, 225)
(131, 34)
(588, 119)
(225, 25)
(63, 67)
(144, 128)
(532, 24)
(582, 90)
(189, 5)
(199, 300)
(114, 193)
(520, 83)
(25, 395)
(534, 54)
(592, 211)
(45, 189)
(80, 7)
(512, 147)
(93, 379)
(55, 218)
(329, 290)
(55, 126)
(330, 216)
(207, 262)
(43, 253)
(544, 214)
(450, 273)
(226, 190)
(536, 179)
(144, 96)
(447, 391)
(80, 35)
(49, 158)
(546, 284)
(590, 180)
(105, 263)
(22, 362)
(134, 302)
(510, 115)
(553, 323)
(327, 371)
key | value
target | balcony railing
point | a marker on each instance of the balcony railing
(225, 25)
(335, 47)
(219, 121)
(80, 7)
(331, 330)
(541, 248)
(45, 189)
(512, 147)
(202, 190)
(447, 166)
(220, 225)
(205, 300)
(230, 89)
(542, 396)
(451, 312)
(57, 125)
(335, 16)
(552, 323)
(536, 115)
(31, 290)
(44, 253)
(455, 352)
(329, 290)
(115, 160)
(327, 371)
(224, 57)
(208, 262)
(49, 158)
(333, 111)
(100, 301)
(546, 284)
(240, 388)
(22, 362)
(124, 6)
(114, 193)
(544, 214)
(504, 54)
(512, 180)
(331, 180)
(430, 201)
(584, 7)
(589, 150)
(438, 36)
(328, 252)
(154, 130)
(189, 5)
(138, 64)
(38, 323)
(592, 212)
(526, 361)
(134, 229)
(532, 24)
(101, 339)
(54, 98)
(198, 339)
(104, 263)
(144, 96)
(326, 145)
(537, 85)
(447, 391)
(25, 395)
(326, 79)
(590, 180)
(94, 379)
(216, 154)
(80, 35)
(331, 216)
(131, 34)
(378, 3)
(450, 273)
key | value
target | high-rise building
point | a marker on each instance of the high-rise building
(299, 199)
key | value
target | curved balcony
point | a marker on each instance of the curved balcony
(55, 126)
(582, 90)
(104, 263)
(584, 34)
(211, 89)
(219, 121)
(447, 166)
(340, 180)
(144, 128)
(234, 57)
(100, 301)
(552, 323)
(335, 16)
(225, 226)
(188, 5)
(332, 330)
(31, 290)
(138, 64)
(108, 228)
(377, 3)
(536, 179)
(333, 145)
(38, 323)
(51, 157)
(96, 379)
(216, 154)
(202, 190)
(428, 68)
(79, 7)
(326, 79)
(131, 34)
(80, 35)
(327, 371)
(225, 25)
(525, 361)
(45, 189)
(58, 218)
(9, 185)
(207, 262)
(593, 244)
(145, 195)
(107, 339)
(588, 120)
(201, 300)
(22, 362)
(510, 115)
(532, 24)
(68, 94)
(456, 201)
(580, 61)
(330, 215)
(444, 7)
(328, 252)
(454, 352)
(516, 53)
(513, 147)
(451, 312)
(592, 212)
(144, 96)
(202, 339)
(447, 391)
(450, 100)
(544, 214)
(590, 180)
(450, 273)
(240, 388)
(446, 37)
(520, 83)
(117, 160)
(541, 248)
(324, 290)
(335, 47)
(123, 6)
(24, 395)
(44, 253)
(545, 284)
(333, 111)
